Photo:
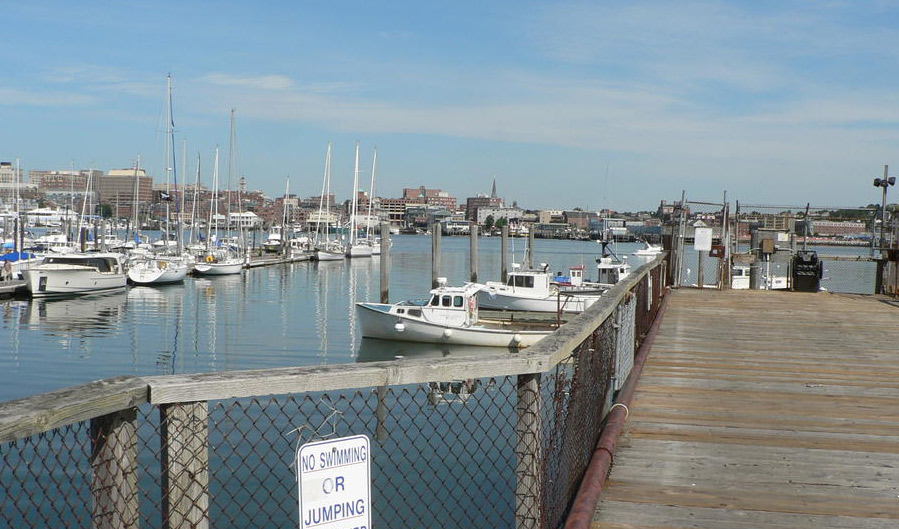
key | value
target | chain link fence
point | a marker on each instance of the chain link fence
(491, 442)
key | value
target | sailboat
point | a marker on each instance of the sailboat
(374, 242)
(355, 246)
(219, 260)
(326, 249)
(167, 266)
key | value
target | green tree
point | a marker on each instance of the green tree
(488, 222)
(502, 221)
(105, 211)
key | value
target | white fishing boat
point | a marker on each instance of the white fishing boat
(534, 291)
(450, 316)
(611, 271)
(76, 273)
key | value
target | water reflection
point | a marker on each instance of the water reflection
(80, 317)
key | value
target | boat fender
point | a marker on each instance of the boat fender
(399, 327)
(492, 292)
(516, 339)
(210, 259)
(447, 333)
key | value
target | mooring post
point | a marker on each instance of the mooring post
(528, 486)
(114, 470)
(473, 251)
(530, 261)
(504, 248)
(385, 262)
(435, 253)
(185, 465)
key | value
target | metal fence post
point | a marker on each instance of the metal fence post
(528, 508)
(185, 465)
(114, 465)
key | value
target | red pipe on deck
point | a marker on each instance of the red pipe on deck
(584, 506)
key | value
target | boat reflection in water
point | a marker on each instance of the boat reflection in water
(83, 316)
(458, 391)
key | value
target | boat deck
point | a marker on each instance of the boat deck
(763, 409)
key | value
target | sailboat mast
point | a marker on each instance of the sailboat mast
(135, 210)
(213, 201)
(355, 198)
(193, 208)
(371, 195)
(169, 159)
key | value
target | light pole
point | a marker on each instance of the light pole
(884, 182)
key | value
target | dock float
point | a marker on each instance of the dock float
(762, 409)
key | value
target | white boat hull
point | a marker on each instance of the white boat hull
(157, 272)
(502, 301)
(45, 281)
(324, 255)
(359, 250)
(376, 321)
(218, 268)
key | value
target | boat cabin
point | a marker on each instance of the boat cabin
(450, 306)
(103, 263)
(611, 272)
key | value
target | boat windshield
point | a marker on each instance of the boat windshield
(520, 281)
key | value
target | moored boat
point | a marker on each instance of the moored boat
(535, 291)
(158, 270)
(450, 316)
(75, 273)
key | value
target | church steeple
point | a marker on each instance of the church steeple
(493, 193)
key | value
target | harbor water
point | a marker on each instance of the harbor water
(277, 316)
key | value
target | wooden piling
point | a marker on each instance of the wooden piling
(435, 253)
(504, 248)
(185, 465)
(530, 260)
(473, 252)
(114, 470)
(385, 262)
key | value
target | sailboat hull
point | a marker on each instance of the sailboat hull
(157, 272)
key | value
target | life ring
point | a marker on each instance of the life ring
(210, 259)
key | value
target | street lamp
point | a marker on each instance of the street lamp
(884, 182)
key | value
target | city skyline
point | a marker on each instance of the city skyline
(567, 104)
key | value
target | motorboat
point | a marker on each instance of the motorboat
(75, 273)
(649, 250)
(449, 316)
(611, 271)
(535, 291)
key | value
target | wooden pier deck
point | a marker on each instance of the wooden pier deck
(763, 409)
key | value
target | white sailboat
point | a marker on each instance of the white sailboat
(355, 246)
(169, 265)
(326, 249)
(218, 260)
(374, 242)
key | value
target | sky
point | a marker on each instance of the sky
(595, 104)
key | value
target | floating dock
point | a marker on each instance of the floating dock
(762, 409)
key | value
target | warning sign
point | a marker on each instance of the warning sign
(334, 479)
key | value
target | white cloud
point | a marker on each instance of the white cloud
(41, 98)
(264, 82)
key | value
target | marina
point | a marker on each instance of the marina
(271, 315)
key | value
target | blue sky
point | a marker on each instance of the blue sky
(568, 104)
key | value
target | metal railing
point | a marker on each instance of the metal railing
(495, 441)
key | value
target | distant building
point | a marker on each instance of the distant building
(117, 188)
(431, 197)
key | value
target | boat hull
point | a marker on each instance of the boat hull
(324, 255)
(376, 321)
(157, 272)
(218, 268)
(500, 301)
(58, 282)
(359, 250)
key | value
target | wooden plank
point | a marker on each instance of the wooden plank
(762, 409)
(33, 415)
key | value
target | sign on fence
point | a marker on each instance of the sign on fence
(334, 480)
(702, 239)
